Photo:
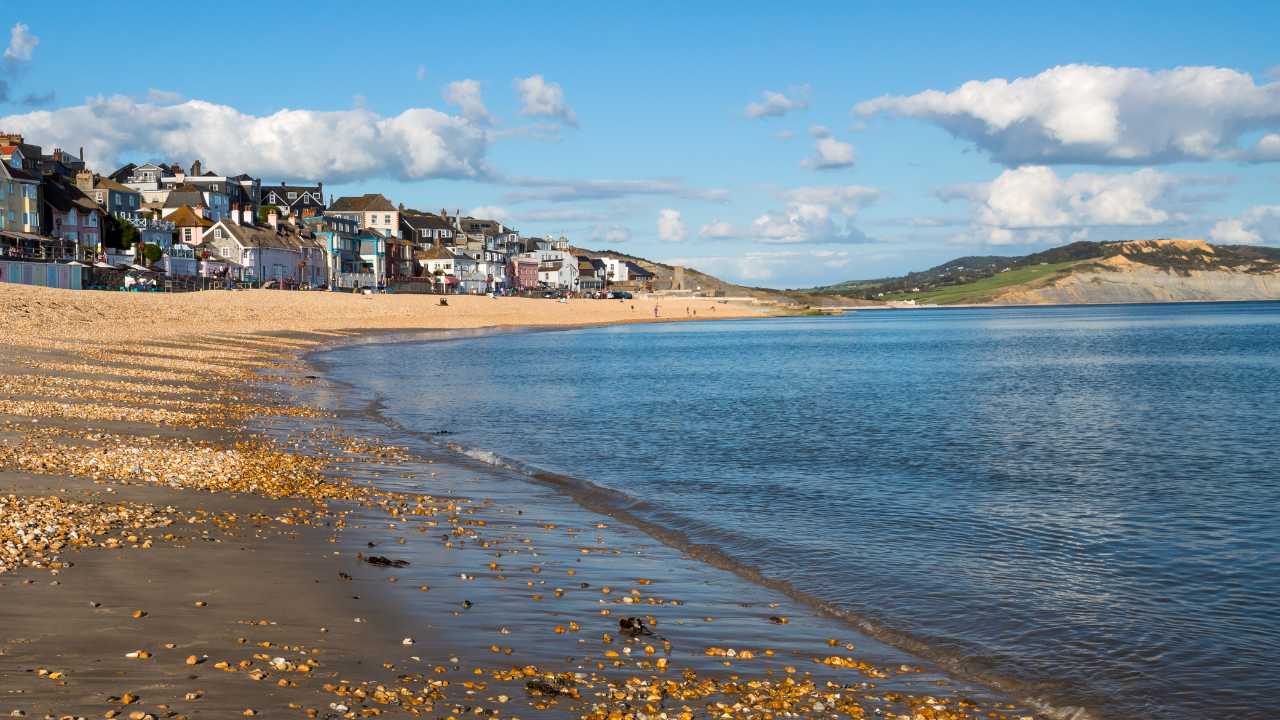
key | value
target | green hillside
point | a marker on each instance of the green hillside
(981, 290)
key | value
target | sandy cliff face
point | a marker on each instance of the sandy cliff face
(1185, 270)
(1143, 283)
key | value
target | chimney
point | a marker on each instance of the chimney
(84, 180)
(195, 168)
(273, 219)
(249, 218)
(81, 153)
(235, 213)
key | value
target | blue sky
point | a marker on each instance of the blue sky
(637, 132)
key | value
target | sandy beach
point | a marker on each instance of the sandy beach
(181, 538)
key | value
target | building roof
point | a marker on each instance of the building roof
(63, 196)
(634, 270)
(106, 183)
(373, 202)
(425, 221)
(180, 196)
(434, 253)
(265, 237)
(186, 217)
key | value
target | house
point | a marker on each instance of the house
(217, 191)
(279, 252)
(440, 263)
(189, 225)
(301, 200)
(426, 229)
(146, 179)
(188, 196)
(615, 269)
(71, 216)
(62, 163)
(339, 238)
(115, 198)
(587, 278)
(522, 272)
(638, 275)
(30, 154)
(372, 211)
(20, 206)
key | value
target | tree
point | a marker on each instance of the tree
(119, 233)
(152, 253)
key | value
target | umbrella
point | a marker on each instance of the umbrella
(108, 266)
(77, 263)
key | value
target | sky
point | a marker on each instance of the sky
(779, 146)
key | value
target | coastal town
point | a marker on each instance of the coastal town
(158, 225)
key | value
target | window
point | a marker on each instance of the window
(186, 234)
(93, 220)
(293, 196)
(386, 219)
(217, 233)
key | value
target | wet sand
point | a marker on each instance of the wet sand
(248, 515)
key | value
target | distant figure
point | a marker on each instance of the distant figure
(695, 312)
(444, 301)
(655, 311)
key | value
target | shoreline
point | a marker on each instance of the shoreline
(300, 547)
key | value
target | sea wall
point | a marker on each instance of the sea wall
(1139, 284)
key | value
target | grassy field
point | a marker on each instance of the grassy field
(984, 289)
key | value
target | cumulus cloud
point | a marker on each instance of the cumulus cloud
(1035, 204)
(776, 104)
(671, 225)
(1258, 225)
(1101, 115)
(564, 190)
(465, 94)
(610, 234)
(716, 230)
(21, 44)
(489, 212)
(541, 98)
(815, 215)
(339, 146)
(830, 154)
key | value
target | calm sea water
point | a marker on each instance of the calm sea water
(1082, 500)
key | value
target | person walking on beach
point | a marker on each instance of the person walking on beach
(655, 310)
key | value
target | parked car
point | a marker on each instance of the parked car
(620, 295)
(553, 294)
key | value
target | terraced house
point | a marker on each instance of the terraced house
(372, 212)
(19, 198)
(300, 200)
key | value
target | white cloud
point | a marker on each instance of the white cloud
(671, 226)
(540, 98)
(610, 234)
(338, 146)
(21, 44)
(489, 212)
(1100, 115)
(776, 104)
(1035, 204)
(815, 214)
(465, 94)
(716, 230)
(421, 72)
(830, 154)
(820, 131)
(1258, 225)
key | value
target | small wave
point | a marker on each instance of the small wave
(636, 512)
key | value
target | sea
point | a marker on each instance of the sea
(1079, 504)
